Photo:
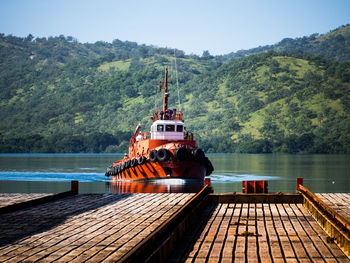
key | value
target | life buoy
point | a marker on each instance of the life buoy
(181, 154)
(163, 155)
(153, 156)
(133, 162)
(142, 160)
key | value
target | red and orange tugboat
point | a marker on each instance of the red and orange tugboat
(167, 151)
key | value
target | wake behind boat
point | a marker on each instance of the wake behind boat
(167, 151)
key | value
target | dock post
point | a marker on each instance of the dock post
(299, 182)
(207, 181)
(74, 187)
(249, 187)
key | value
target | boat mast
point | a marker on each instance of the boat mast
(166, 94)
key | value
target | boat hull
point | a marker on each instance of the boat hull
(154, 170)
(156, 186)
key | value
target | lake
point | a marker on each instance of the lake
(52, 173)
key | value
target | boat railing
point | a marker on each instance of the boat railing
(169, 115)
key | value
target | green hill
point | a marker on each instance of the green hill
(334, 45)
(274, 102)
(58, 95)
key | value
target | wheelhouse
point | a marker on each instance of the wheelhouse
(167, 130)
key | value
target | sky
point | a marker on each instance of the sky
(219, 26)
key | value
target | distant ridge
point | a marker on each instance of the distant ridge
(333, 45)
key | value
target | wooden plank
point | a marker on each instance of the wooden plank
(289, 220)
(143, 227)
(193, 253)
(82, 229)
(339, 203)
(56, 239)
(227, 246)
(206, 245)
(256, 198)
(135, 221)
(240, 245)
(306, 219)
(299, 237)
(11, 199)
(48, 237)
(36, 200)
(263, 244)
(252, 248)
(287, 249)
(272, 236)
(221, 233)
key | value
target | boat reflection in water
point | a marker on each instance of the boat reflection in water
(170, 185)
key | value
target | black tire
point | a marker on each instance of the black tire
(142, 160)
(122, 166)
(133, 162)
(198, 153)
(208, 165)
(163, 155)
(127, 164)
(115, 170)
(181, 154)
(153, 156)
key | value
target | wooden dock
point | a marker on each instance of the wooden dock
(339, 202)
(84, 228)
(13, 199)
(256, 232)
(182, 227)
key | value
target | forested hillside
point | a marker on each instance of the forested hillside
(335, 46)
(59, 95)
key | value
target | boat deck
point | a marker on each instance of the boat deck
(91, 228)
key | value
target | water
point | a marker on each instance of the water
(25, 173)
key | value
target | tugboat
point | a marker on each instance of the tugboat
(167, 151)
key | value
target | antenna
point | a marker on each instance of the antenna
(177, 82)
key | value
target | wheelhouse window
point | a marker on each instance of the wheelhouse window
(160, 127)
(179, 128)
(169, 128)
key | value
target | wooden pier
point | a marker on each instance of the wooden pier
(201, 227)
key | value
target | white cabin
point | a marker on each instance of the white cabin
(172, 130)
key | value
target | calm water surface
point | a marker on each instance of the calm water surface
(25, 173)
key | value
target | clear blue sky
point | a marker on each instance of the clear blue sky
(220, 26)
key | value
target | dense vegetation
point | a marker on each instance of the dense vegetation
(58, 95)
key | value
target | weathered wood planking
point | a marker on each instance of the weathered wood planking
(11, 199)
(340, 203)
(242, 232)
(91, 228)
